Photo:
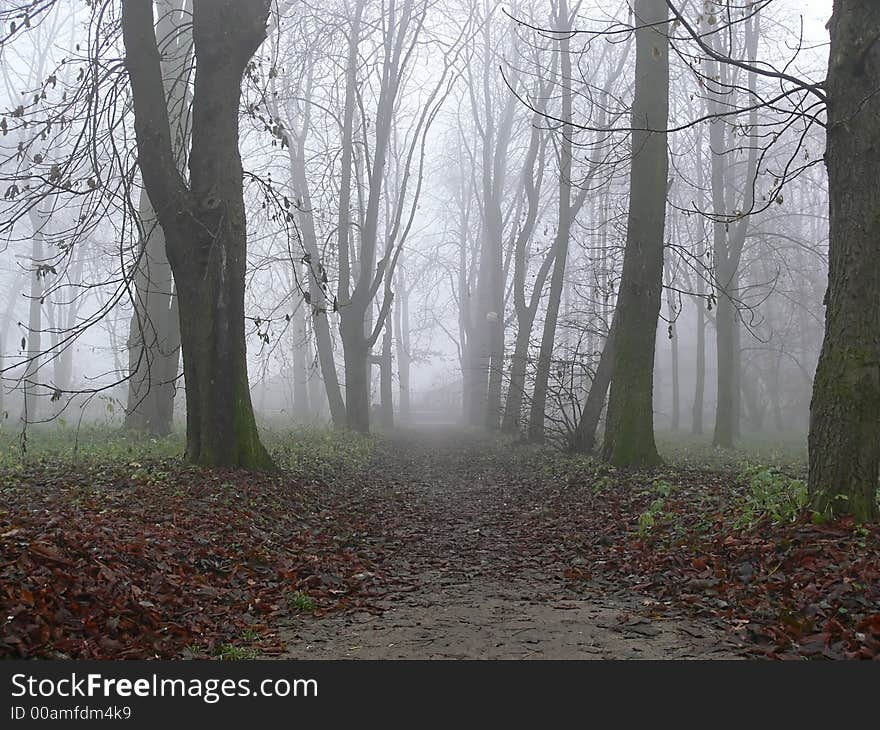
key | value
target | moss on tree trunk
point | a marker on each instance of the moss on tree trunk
(629, 432)
(204, 218)
(844, 422)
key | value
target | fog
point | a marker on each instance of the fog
(404, 162)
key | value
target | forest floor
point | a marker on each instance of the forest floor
(486, 561)
(424, 544)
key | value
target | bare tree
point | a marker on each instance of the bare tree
(204, 219)
(154, 333)
(629, 434)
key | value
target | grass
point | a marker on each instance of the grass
(784, 452)
(300, 601)
(321, 454)
(86, 443)
(312, 454)
(230, 652)
(770, 470)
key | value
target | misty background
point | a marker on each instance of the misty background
(476, 150)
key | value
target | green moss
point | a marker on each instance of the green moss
(251, 454)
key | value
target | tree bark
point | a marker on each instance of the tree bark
(302, 408)
(386, 381)
(402, 338)
(204, 222)
(154, 330)
(487, 348)
(844, 441)
(533, 173)
(729, 236)
(563, 233)
(629, 434)
(317, 300)
(700, 365)
(31, 407)
(584, 440)
(154, 335)
(673, 346)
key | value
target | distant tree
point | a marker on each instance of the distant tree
(731, 216)
(563, 24)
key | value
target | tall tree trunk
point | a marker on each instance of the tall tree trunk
(31, 406)
(154, 330)
(316, 307)
(629, 434)
(844, 436)
(563, 233)
(727, 361)
(302, 408)
(66, 323)
(488, 342)
(359, 332)
(402, 337)
(386, 381)
(319, 307)
(315, 291)
(533, 173)
(357, 407)
(584, 440)
(204, 222)
(700, 365)
(700, 355)
(673, 346)
(775, 393)
(154, 335)
(13, 293)
(729, 236)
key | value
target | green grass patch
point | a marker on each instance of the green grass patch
(230, 652)
(300, 601)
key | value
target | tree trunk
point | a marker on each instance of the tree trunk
(489, 320)
(700, 366)
(67, 322)
(518, 367)
(359, 332)
(729, 236)
(154, 330)
(401, 312)
(319, 307)
(629, 434)
(357, 406)
(844, 436)
(728, 360)
(585, 434)
(154, 334)
(13, 292)
(386, 381)
(357, 376)
(533, 173)
(204, 222)
(302, 408)
(31, 409)
(673, 345)
(563, 233)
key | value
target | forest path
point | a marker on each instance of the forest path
(471, 568)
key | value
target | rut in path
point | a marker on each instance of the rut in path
(455, 522)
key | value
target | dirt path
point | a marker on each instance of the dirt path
(467, 573)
